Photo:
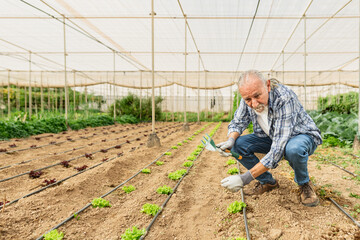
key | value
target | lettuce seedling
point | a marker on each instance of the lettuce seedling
(164, 190)
(146, 170)
(54, 235)
(233, 171)
(168, 153)
(159, 163)
(128, 189)
(179, 144)
(150, 209)
(100, 203)
(188, 164)
(185, 141)
(230, 162)
(133, 234)
(191, 158)
(174, 147)
(177, 174)
(236, 207)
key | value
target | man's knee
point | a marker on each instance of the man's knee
(294, 152)
(240, 146)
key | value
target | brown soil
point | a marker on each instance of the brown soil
(198, 209)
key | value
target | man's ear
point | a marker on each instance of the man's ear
(268, 85)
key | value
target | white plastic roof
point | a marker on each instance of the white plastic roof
(229, 38)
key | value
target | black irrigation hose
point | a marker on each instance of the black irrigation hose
(60, 181)
(69, 150)
(355, 175)
(168, 198)
(244, 209)
(114, 189)
(53, 165)
(41, 146)
(342, 210)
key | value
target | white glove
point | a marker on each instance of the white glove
(235, 182)
(225, 145)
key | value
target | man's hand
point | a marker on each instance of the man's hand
(235, 182)
(226, 145)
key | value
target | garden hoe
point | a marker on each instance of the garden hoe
(210, 145)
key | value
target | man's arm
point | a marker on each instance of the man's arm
(258, 169)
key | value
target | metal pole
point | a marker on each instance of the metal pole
(74, 92)
(173, 95)
(17, 96)
(66, 90)
(198, 98)
(213, 105)
(305, 60)
(114, 90)
(30, 95)
(152, 67)
(185, 72)
(8, 96)
(231, 102)
(206, 97)
(140, 92)
(42, 93)
(86, 102)
(283, 68)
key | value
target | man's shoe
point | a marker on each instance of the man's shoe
(261, 188)
(308, 196)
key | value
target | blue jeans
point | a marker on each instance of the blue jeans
(297, 151)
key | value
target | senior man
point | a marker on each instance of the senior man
(282, 127)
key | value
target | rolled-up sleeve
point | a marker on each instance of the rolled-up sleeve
(283, 125)
(241, 119)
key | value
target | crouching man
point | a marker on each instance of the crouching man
(281, 128)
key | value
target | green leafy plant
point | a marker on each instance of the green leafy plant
(54, 235)
(179, 144)
(236, 207)
(133, 233)
(233, 171)
(100, 203)
(168, 153)
(188, 164)
(354, 195)
(146, 170)
(164, 190)
(191, 158)
(150, 209)
(76, 216)
(128, 189)
(174, 147)
(230, 162)
(185, 141)
(159, 163)
(177, 174)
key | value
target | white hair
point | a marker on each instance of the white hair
(244, 78)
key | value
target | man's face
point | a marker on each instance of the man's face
(255, 94)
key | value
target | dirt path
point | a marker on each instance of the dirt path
(198, 209)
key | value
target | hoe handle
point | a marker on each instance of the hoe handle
(234, 154)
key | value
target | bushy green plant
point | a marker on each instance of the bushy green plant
(159, 163)
(146, 170)
(230, 162)
(133, 233)
(233, 171)
(188, 164)
(128, 189)
(179, 144)
(168, 153)
(54, 235)
(164, 190)
(100, 203)
(340, 103)
(236, 207)
(191, 158)
(150, 209)
(185, 141)
(177, 174)
(174, 147)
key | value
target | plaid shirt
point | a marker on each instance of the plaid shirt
(287, 118)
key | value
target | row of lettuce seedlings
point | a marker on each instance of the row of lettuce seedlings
(52, 182)
(150, 209)
(38, 172)
(72, 149)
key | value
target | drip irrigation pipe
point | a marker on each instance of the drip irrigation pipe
(114, 189)
(342, 210)
(244, 209)
(57, 143)
(81, 147)
(355, 175)
(168, 198)
(70, 160)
